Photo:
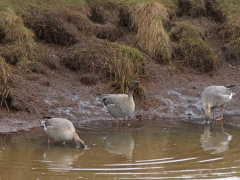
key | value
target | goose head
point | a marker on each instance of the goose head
(132, 86)
(80, 142)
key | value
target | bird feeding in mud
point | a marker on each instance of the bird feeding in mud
(215, 97)
(60, 129)
(121, 105)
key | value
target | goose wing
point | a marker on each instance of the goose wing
(113, 99)
(59, 124)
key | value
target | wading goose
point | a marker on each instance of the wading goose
(60, 129)
(215, 97)
(120, 105)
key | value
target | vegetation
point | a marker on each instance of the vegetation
(230, 27)
(148, 19)
(191, 49)
(193, 8)
(4, 82)
(119, 64)
(126, 65)
(15, 37)
(91, 37)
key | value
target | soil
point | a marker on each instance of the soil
(58, 91)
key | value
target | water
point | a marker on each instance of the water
(160, 149)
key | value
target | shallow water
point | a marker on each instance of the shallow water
(160, 149)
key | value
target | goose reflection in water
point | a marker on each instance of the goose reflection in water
(119, 143)
(59, 159)
(217, 140)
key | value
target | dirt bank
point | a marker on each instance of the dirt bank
(60, 94)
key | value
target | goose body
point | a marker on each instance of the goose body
(60, 129)
(215, 97)
(120, 105)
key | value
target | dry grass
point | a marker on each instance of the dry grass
(5, 71)
(230, 28)
(148, 19)
(117, 64)
(16, 37)
(126, 65)
(231, 34)
(191, 49)
(193, 8)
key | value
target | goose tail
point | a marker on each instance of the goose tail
(47, 117)
(229, 86)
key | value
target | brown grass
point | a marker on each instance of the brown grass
(193, 8)
(191, 49)
(148, 19)
(227, 13)
(111, 62)
(5, 71)
(16, 37)
(213, 8)
(233, 43)
(230, 30)
(126, 65)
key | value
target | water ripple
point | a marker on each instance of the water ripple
(151, 163)
(105, 169)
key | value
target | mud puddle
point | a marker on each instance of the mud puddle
(160, 149)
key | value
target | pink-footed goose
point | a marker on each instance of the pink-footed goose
(60, 129)
(215, 97)
(121, 105)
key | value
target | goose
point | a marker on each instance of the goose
(121, 105)
(61, 129)
(215, 97)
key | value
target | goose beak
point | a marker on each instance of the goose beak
(83, 145)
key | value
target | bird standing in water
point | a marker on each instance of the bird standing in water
(215, 97)
(121, 105)
(60, 129)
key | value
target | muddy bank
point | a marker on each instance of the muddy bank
(166, 95)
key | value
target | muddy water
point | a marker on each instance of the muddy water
(161, 149)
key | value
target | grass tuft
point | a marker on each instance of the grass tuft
(126, 65)
(193, 8)
(191, 49)
(230, 28)
(117, 64)
(16, 37)
(5, 71)
(148, 19)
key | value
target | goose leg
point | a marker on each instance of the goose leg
(222, 125)
(221, 116)
(49, 142)
(213, 114)
(207, 113)
(124, 120)
(116, 122)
